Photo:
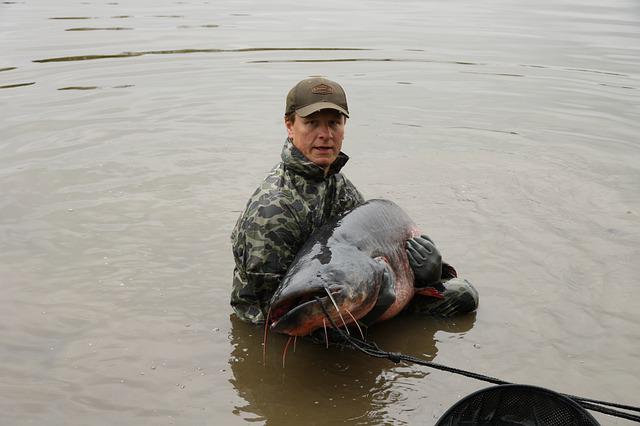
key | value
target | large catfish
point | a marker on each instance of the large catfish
(357, 259)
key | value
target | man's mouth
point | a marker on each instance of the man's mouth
(324, 149)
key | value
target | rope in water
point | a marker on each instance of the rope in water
(373, 350)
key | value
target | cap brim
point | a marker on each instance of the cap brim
(310, 109)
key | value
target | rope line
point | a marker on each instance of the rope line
(373, 350)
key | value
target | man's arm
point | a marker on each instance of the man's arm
(265, 242)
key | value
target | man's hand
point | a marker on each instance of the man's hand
(425, 260)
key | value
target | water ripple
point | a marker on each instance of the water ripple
(618, 87)
(98, 29)
(509, 132)
(79, 88)
(199, 26)
(185, 51)
(269, 61)
(499, 74)
(11, 86)
(596, 71)
(71, 17)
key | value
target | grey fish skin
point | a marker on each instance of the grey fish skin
(347, 257)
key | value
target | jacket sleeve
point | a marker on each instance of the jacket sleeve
(265, 242)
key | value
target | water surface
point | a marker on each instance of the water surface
(134, 132)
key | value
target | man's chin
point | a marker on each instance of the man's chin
(323, 162)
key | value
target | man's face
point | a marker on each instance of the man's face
(318, 136)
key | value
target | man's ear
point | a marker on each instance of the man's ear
(289, 126)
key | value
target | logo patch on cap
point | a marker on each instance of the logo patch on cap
(322, 89)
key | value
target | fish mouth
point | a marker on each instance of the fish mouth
(300, 315)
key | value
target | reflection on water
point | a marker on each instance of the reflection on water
(333, 385)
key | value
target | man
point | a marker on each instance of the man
(300, 194)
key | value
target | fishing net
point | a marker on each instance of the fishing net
(517, 405)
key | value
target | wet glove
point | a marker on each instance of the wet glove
(425, 260)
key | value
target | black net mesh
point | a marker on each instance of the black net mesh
(517, 405)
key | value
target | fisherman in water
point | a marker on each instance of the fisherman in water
(303, 192)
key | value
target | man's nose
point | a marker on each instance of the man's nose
(325, 130)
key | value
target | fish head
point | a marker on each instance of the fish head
(345, 291)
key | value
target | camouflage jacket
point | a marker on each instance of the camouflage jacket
(293, 200)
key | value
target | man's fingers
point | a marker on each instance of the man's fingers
(426, 237)
(423, 246)
(425, 241)
(418, 251)
(415, 258)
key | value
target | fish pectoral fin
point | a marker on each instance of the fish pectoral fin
(435, 290)
(386, 294)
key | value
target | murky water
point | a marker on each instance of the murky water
(132, 134)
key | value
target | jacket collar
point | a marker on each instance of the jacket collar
(297, 162)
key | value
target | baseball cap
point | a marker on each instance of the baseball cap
(316, 93)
